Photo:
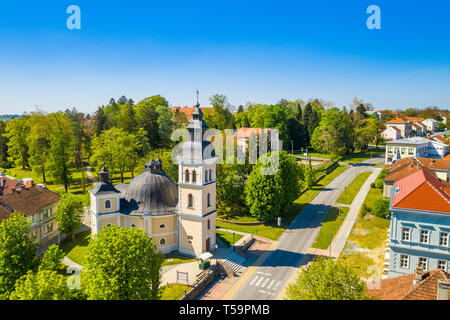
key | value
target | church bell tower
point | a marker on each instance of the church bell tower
(197, 190)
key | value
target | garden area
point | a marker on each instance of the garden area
(174, 291)
(77, 250)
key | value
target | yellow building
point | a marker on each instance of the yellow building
(176, 218)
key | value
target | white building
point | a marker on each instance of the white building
(432, 125)
(414, 147)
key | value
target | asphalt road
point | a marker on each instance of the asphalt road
(277, 268)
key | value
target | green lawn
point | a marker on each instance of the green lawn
(171, 259)
(239, 219)
(361, 156)
(353, 188)
(173, 291)
(227, 237)
(330, 226)
(77, 251)
(270, 230)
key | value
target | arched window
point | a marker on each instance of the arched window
(209, 199)
(162, 242)
(194, 176)
(108, 204)
(210, 175)
(190, 201)
(162, 226)
(132, 226)
(206, 175)
(187, 176)
(209, 224)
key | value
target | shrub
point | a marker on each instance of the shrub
(379, 183)
(372, 185)
(381, 208)
(365, 209)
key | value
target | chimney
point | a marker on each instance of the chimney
(419, 274)
(442, 291)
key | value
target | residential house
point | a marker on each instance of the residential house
(432, 125)
(401, 123)
(414, 147)
(420, 224)
(8, 185)
(421, 285)
(439, 138)
(37, 202)
(406, 166)
(243, 135)
(392, 133)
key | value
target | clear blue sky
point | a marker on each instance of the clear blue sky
(258, 51)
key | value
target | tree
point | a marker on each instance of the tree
(310, 118)
(271, 195)
(17, 131)
(147, 118)
(44, 285)
(52, 259)
(60, 154)
(17, 251)
(334, 135)
(100, 121)
(127, 119)
(39, 143)
(220, 116)
(3, 145)
(230, 189)
(310, 176)
(122, 264)
(325, 279)
(69, 214)
(381, 208)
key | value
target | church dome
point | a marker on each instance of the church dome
(152, 191)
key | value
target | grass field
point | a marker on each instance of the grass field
(270, 230)
(173, 291)
(227, 237)
(353, 188)
(330, 226)
(77, 251)
(171, 259)
(361, 156)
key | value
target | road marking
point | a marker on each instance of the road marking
(271, 283)
(262, 291)
(254, 279)
(278, 283)
(259, 272)
(267, 274)
(259, 281)
(265, 282)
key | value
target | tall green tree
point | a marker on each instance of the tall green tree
(3, 145)
(127, 119)
(219, 117)
(44, 285)
(122, 264)
(147, 117)
(230, 197)
(52, 258)
(60, 154)
(17, 251)
(100, 121)
(326, 279)
(69, 214)
(17, 131)
(39, 141)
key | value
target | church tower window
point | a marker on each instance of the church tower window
(190, 201)
(107, 204)
(194, 177)
(187, 176)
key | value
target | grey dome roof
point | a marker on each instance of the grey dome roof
(151, 191)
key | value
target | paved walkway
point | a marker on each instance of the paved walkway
(338, 243)
(90, 175)
(169, 273)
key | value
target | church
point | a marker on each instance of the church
(178, 218)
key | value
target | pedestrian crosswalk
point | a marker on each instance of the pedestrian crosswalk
(264, 281)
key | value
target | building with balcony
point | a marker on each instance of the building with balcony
(416, 147)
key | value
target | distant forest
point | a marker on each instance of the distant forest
(6, 117)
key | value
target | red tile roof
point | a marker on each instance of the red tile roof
(397, 120)
(441, 139)
(9, 185)
(403, 287)
(422, 191)
(246, 132)
(28, 201)
(414, 119)
(188, 110)
(435, 164)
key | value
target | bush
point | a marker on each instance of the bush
(381, 208)
(372, 185)
(379, 183)
(365, 209)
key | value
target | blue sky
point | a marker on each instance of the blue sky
(258, 51)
